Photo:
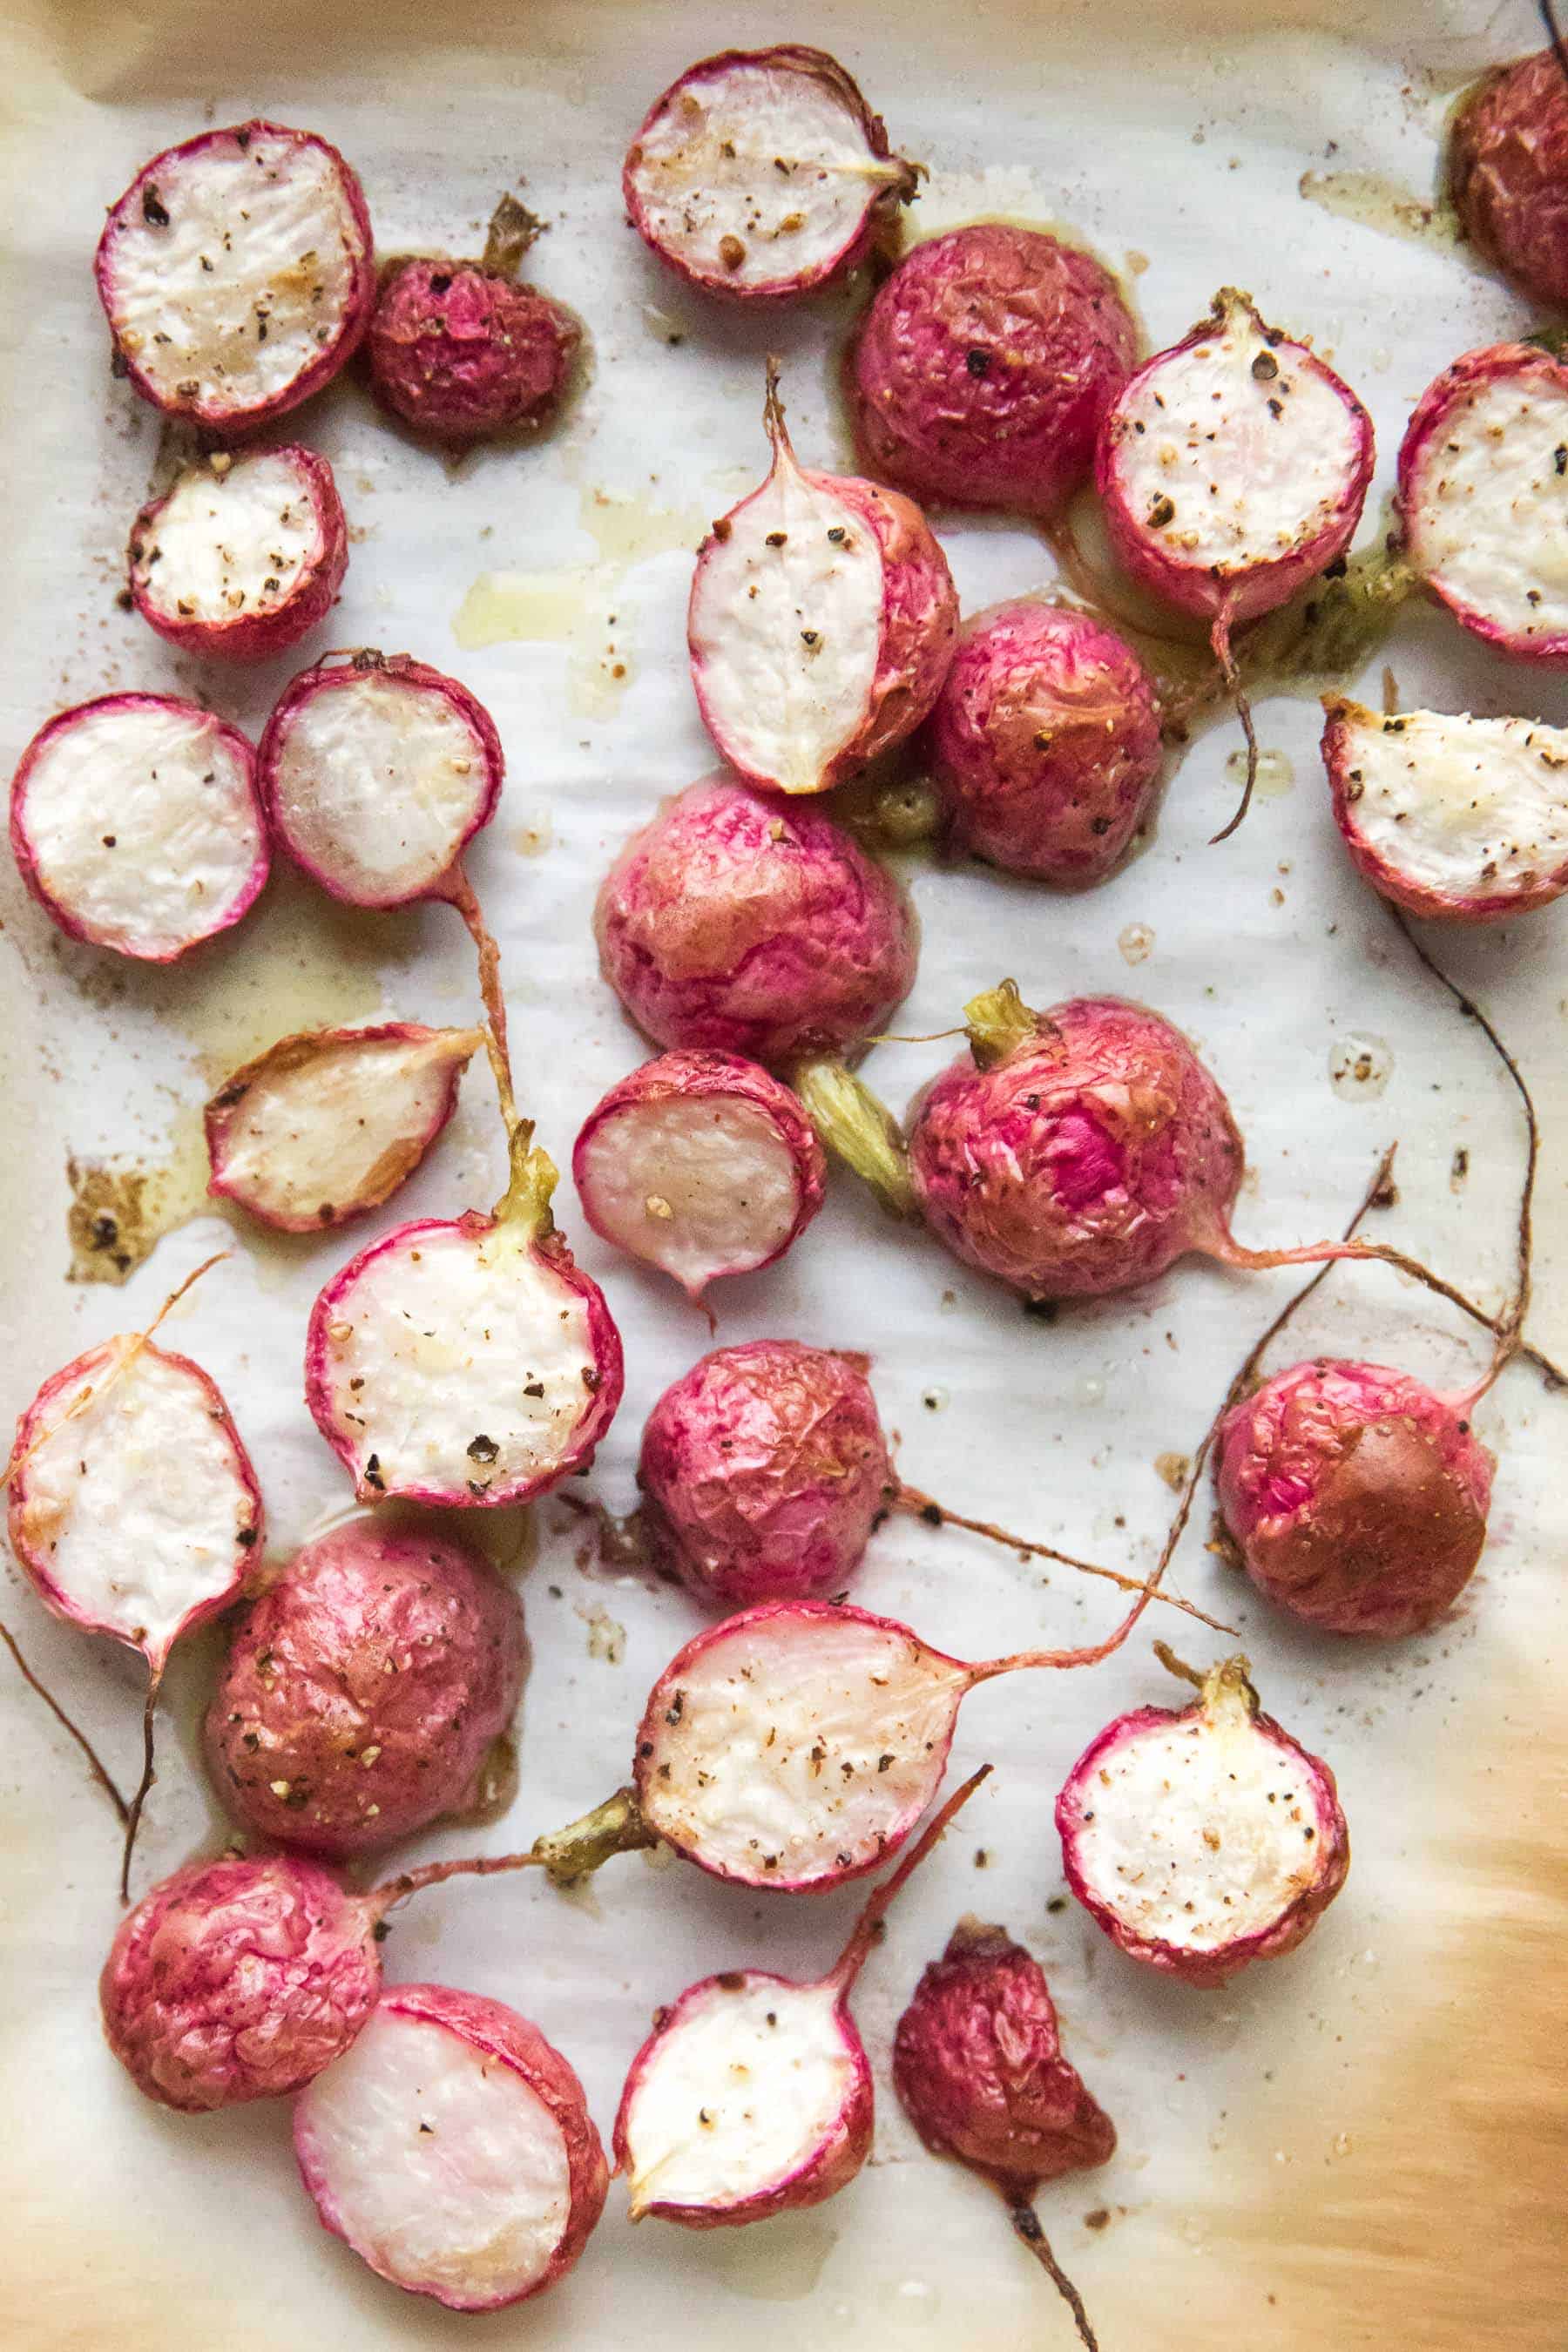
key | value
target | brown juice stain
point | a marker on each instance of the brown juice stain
(1374, 202)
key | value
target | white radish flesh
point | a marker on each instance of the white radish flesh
(243, 556)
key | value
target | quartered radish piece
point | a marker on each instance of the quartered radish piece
(236, 274)
(135, 825)
(451, 2146)
(328, 1124)
(762, 173)
(1483, 497)
(752, 2094)
(700, 1165)
(1455, 819)
(821, 623)
(1508, 169)
(1205, 1840)
(242, 556)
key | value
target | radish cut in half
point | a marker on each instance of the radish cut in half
(1455, 819)
(753, 2095)
(1205, 1839)
(452, 2148)
(242, 556)
(135, 825)
(821, 624)
(762, 174)
(328, 1124)
(236, 276)
(700, 1165)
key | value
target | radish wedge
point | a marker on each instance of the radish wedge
(242, 556)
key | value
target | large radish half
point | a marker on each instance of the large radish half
(242, 556)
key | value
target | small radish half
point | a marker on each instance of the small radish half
(135, 825)
(762, 173)
(821, 623)
(328, 1124)
(700, 1165)
(242, 556)
(1455, 819)
(236, 276)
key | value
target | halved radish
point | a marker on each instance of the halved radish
(328, 1124)
(135, 825)
(1455, 819)
(1205, 1840)
(242, 556)
(701, 1165)
(236, 273)
(762, 173)
(1483, 497)
(821, 624)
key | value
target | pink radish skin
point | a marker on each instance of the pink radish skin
(1205, 1840)
(236, 275)
(327, 1125)
(735, 923)
(1457, 820)
(135, 825)
(985, 366)
(752, 2094)
(821, 624)
(700, 1165)
(451, 2148)
(1480, 497)
(363, 1691)
(1045, 743)
(243, 557)
(1508, 174)
(1356, 1497)
(460, 351)
(762, 174)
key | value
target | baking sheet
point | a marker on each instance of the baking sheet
(1361, 2144)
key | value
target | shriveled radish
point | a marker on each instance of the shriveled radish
(1508, 174)
(821, 623)
(1045, 743)
(364, 1690)
(242, 556)
(236, 276)
(1481, 496)
(701, 1165)
(452, 2148)
(1455, 819)
(328, 1124)
(752, 2094)
(1204, 1840)
(978, 2069)
(983, 369)
(135, 825)
(762, 173)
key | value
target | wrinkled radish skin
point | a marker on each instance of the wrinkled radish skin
(460, 353)
(243, 557)
(1508, 174)
(1454, 819)
(236, 275)
(135, 825)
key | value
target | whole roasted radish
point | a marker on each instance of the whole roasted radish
(242, 556)
(1508, 174)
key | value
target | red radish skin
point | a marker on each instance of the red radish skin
(985, 366)
(1355, 1495)
(821, 623)
(1457, 820)
(1045, 743)
(244, 556)
(700, 1165)
(1508, 174)
(135, 823)
(1481, 498)
(327, 1125)
(236, 275)
(734, 923)
(1205, 1839)
(762, 174)
(363, 1689)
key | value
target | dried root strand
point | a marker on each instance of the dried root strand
(1027, 2228)
(1220, 640)
(143, 1787)
(98, 1769)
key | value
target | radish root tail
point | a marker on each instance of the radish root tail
(133, 1817)
(1219, 638)
(1027, 2228)
(96, 1765)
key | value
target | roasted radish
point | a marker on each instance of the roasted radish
(236, 274)
(762, 173)
(1508, 174)
(242, 556)
(1205, 1840)
(135, 825)
(700, 1165)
